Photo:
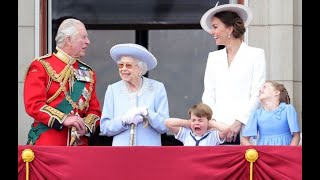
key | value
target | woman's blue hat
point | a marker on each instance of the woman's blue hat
(135, 50)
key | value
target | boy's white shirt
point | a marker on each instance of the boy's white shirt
(184, 136)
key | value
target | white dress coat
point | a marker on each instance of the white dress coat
(232, 91)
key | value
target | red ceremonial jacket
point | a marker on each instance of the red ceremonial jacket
(48, 98)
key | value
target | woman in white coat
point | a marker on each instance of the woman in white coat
(235, 73)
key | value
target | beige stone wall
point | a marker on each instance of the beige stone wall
(277, 28)
(297, 56)
(26, 49)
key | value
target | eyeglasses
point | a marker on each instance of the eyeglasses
(128, 65)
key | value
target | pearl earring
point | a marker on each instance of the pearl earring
(229, 35)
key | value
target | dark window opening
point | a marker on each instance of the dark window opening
(141, 16)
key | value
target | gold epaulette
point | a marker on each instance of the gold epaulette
(84, 64)
(43, 57)
(36, 59)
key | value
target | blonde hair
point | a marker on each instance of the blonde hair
(284, 96)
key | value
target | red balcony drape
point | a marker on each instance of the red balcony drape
(166, 163)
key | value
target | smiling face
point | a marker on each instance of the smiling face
(219, 31)
(199, 125)
(268, 92)
(129, 69)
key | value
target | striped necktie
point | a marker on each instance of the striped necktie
(198, 141)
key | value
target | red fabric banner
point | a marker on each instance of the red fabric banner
(166, 162)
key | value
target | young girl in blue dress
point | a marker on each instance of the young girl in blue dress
(276, 122)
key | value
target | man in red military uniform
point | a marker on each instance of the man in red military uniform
(60, 91)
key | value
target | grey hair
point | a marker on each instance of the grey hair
(67, 28)
(143, 67)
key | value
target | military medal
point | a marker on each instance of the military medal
(82, 75)
(85, 93)
(71, 82)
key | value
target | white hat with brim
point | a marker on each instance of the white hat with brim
(243, 12)
(134, 50)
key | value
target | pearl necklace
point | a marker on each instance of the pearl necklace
(129, 89)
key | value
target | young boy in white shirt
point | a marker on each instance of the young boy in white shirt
(200, 130)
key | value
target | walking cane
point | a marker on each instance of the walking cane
(132, 135)
(132, 141)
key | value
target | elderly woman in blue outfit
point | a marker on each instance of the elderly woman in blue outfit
(135, 107)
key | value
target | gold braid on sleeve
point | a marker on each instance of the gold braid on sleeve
(90, 122)
(54, 115)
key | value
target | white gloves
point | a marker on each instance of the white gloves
(138, 110)
(137, 119)
(142, 111)
(134, 115)
(127, 118)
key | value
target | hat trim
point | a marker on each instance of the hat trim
(239, 9)
(138, 47)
